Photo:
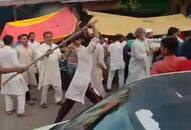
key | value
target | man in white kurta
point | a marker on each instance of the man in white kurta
(79, 86)
(34, 44)
(140, 62)
(117, 63)
(26, 56)
(15, 87)
(153, 43)
(98, 65)
(49, 74)
(139, 65)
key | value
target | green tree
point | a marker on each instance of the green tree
(131, 5)
(179, 6)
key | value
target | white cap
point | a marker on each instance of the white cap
(106, 39)
(1, 43)
(148, 30)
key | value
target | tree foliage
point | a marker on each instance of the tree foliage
(128, 5)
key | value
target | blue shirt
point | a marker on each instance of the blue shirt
(63, 64)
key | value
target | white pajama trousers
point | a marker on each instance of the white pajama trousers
(9, 103)
(120, 78)
(58, 94)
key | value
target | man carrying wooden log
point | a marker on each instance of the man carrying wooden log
(49, 75)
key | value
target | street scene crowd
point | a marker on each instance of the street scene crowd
(85, 66)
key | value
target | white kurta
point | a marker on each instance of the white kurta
(106, 56)
(35, 46)
(139, 66)
(82, 76)
(116, 56)
(26, 56)
(16, 86)
(153, 43)
(98, 65)
(49, 66)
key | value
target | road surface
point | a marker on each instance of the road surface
(37, 117)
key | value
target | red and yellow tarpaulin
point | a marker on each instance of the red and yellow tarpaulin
(62, 23)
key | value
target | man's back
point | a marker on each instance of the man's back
(116, 56)
(8, 57)
(98, 57)
(186, 49)
(168, 64)
(184, 65)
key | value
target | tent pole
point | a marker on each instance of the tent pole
(15, 12)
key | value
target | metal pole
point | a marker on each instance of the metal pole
(15, 12)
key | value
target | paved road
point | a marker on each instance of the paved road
(37, 117)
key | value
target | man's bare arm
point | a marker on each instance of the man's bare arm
(10, 70)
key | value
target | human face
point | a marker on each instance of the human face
(66, 51)
(102, 41)
(48, 38)
(141, 35)
(24, 40)
(32, 37)
(150, 35)
(77, 42)
(106, 41)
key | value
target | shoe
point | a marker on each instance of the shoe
(108, 90)
(31, 102)
(60, 103)
(44, 106)
(10, 112)
(34, 99)
(22, 115)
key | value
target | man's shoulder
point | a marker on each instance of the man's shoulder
(113, 44)
(36, 42)
(135, 42)
(181, 58)
(99, 46)
(43, 44)
(8, 49)
(82, 46)
(159, 63)
(17, 47)
(54, 45)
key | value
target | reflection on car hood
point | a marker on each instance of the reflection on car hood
(167, 97)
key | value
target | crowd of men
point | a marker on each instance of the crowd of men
(80, 67)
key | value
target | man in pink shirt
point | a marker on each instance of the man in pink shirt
(170, 61)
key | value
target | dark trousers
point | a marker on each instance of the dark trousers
(65, 80)
(126, 71)
(28, 95)
(37, 77)
(68, 104)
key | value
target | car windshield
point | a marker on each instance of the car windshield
(155, 103)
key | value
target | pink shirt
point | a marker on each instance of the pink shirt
(168, 64)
